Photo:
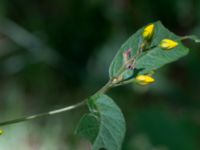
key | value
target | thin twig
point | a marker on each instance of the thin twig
(50, 113)
(104, 89)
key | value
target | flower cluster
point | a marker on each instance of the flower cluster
(130, 61)
(165, 44)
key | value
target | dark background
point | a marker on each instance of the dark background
(56, 53)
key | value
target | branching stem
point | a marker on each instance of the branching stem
(104, 89)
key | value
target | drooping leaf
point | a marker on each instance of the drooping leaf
(88, 127)
(152, 59)
(104, 126)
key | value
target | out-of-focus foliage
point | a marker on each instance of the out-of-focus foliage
(55, 53)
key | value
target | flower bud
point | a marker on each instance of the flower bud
(1, 132)
(144, 79)
(148, 32)
(168, 44)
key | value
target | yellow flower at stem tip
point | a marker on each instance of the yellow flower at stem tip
(144, 79)
(168, 44)
(148, 32)
(1, 132)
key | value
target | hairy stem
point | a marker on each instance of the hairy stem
(50, 113)
(104, 89)
(190, 37)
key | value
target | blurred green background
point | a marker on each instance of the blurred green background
(55, 53)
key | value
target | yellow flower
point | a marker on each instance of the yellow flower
(148, 32)
(144, 79)
(168, 44)
(1, 132)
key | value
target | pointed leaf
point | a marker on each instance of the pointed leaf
(152, 59)
(106, 118)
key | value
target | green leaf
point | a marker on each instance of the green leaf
(88, 127)
(153, 58)
(104, 126)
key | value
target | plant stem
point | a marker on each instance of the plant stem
(190, 37)
(104, 89)
(124, 82)
(50, 113)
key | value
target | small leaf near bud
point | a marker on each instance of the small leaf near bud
(168, 44)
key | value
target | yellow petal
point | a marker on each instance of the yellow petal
(144, 79)
(168, 44)
(1, 132)
(148, 32)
